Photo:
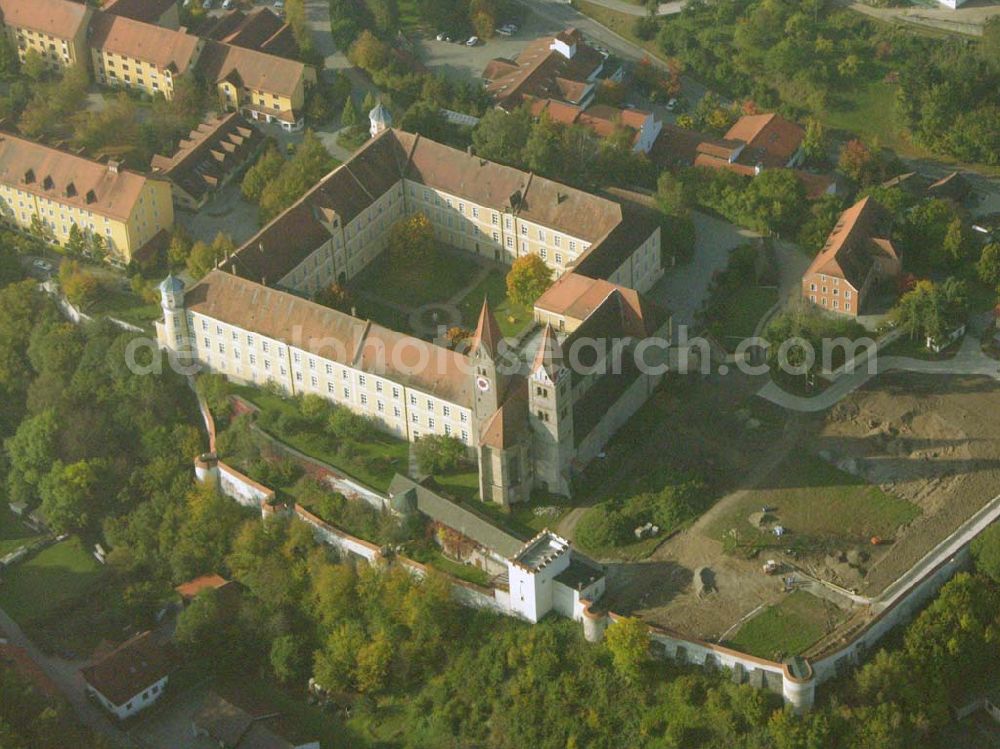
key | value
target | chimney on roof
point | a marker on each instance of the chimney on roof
(468, 149)
(114, 166)
(354, 311)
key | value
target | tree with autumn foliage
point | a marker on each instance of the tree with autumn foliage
(528, 279)
(411, 242)
(862, 163)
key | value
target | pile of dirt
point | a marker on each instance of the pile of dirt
(704, 581)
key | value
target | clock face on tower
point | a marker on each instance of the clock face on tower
(482, 383)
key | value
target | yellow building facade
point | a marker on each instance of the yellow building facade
(55, 29)
(45, 187)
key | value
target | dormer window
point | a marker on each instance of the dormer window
(70, 190)
(29, 176)
(91, 196)
(47, 183)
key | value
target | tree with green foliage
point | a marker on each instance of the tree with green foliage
(204, 257)
(528, 279)
(438, 453)
(310, 163)
(814, 143)
(349, 117)
(502, 136)
(34, 66)
(77, 242)
(932, 310)
(628, 642)
(78, 284)
(924, 235)
(988, 267)
(31, 451)
(823, 216)
(71, 495)
(261, 174)
(777, 199)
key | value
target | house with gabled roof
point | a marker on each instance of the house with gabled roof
(857, 257)
(131, 677)
(563, 68)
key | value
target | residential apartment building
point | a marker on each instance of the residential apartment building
(858, 256)
(140, 56)
(59, 189)
(123, 51)
(249, 320)
(56, 29)
(264, 87)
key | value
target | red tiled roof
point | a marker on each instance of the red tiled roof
(333, 335)
(165, 48)
(508, 426)
(712, 162)
(543, 73)
(128, 670)
(256, 70)
(193, 587)
(71, 179)
(59, 18)
(853, 244)
(487, 333)
(770, 139)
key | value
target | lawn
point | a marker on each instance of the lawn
(13, 533)
(374, 462)
(736, 316)
(511, 317)
(787, 628)
(125, 306)
(383, 314)
(814, 500)
(436, 281)
(459, 486)
(51, 579)
(434, 558)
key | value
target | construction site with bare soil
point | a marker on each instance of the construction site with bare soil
(836, 507)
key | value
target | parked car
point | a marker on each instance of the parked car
(206, 4)
(672, 105)
(472, 41)
(503, 30)
(227, 4)
(42, 265)
(279, 4)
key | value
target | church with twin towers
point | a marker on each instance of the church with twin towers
(532, 412)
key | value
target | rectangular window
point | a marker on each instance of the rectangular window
(364, 399)
(430, 422)
(414, 418)
(347, 392)
(395, 411)
(446, 410)
(395, 392)
(464, 417)
(413, 400)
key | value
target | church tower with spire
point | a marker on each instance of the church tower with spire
(489, 376)
(550, 412)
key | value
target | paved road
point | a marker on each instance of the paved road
(968, 361)
(684, 288)
(66, 676)
(565, 15)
